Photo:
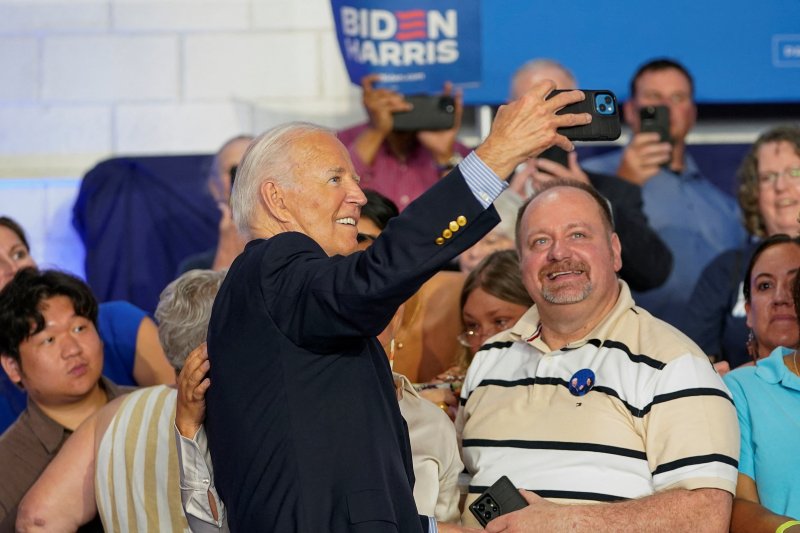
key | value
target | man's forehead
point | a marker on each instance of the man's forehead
(566, 206)
(653, 80)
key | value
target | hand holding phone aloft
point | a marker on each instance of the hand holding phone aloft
(602, 105)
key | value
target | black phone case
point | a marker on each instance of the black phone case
(430, 113)
(655, 118)
(602, 128)
(499, 499)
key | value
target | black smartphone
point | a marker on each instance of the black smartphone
(602, 105)
(556, 155)
(430, 113)
(499, 499)
(655, 118)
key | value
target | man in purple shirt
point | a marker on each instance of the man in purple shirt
(399, 165)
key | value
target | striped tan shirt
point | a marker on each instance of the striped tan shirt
(136, 477)
(654, 416)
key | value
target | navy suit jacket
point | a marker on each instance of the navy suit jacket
(303, 422)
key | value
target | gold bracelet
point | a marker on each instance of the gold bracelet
(786, 525)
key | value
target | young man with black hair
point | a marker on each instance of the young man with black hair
(50, 347)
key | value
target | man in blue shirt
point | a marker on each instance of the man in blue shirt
(696, 220)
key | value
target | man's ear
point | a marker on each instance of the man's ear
(273, 198)
(12, 369)
(616, 250)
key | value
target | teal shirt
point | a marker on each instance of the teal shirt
(767, 399)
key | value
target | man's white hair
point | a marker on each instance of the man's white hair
(269, 157)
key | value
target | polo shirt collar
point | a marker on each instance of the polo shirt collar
(529, 327)
(773, 369)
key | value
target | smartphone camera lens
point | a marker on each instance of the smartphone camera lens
(604, 104)
(487, 515)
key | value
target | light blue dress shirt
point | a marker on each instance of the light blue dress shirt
(695, 219)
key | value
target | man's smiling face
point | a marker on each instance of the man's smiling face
(569, 255)
(325, 202)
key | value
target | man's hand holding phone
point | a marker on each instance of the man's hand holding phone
(533, 174)
(380, 104)
(643, 157)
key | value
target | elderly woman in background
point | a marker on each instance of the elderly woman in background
(767, 396)
(769, 195)
(132, 354)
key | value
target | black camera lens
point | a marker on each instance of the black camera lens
(608, 99)
(481, 507)
(602, 107)
(487, 515)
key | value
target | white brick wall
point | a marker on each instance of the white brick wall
(42, 130)
(18, 62)
(292, 15)
(159, 129)
(87, 79)
(23, 17)
(169, 17)
(101, 68)
(256, 65)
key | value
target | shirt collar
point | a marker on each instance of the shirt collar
(690, 168)
(49, 432)
(529, 327)
(773, 369)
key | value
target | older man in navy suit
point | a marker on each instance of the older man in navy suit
(303, 422)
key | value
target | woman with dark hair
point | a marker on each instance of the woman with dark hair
(768, 295)
(769, 197)
(767, 395)
(132, 353)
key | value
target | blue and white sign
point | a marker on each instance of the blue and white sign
(415, 45)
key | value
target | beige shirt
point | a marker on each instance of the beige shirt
(434, 452)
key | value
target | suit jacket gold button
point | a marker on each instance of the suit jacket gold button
(454, 225)
(447, 234)
(461, 221)
(439, 241)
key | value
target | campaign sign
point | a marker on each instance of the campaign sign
(415, 45)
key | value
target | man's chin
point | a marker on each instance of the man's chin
(567, 295)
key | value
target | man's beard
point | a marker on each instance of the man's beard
(566, 296)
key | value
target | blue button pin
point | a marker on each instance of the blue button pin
(582, 382)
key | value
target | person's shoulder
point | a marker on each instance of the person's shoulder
(119, 308)
(658, 339)
(17, 436)
(742, 376)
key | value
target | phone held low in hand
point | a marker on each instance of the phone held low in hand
(430, 113)
(602, 105)
(499, 499)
